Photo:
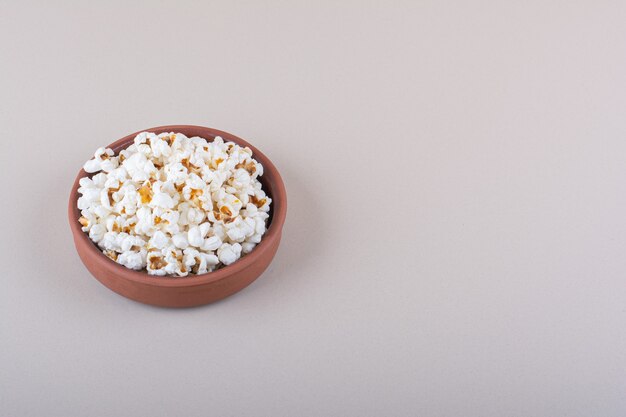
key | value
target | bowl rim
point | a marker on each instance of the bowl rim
(273, 233)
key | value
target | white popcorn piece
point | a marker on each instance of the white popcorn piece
(248, 226)
(259, 227)
(99, 161)
(219, 230)
(195, 216)
(176, 173)
(132, 243)
(156, 263)
(207, 263)
(93, 165)
(173, 205)
(162, 200)
(87, 220)
(228, 253)
(212, 243)
(108, 165)
(132, 260)
(204, 229)
(246, 247)
(194, 236)
(109, 241)
(100, 211)
(180, 240)
(159, 240)
(96, 233)
(254, 238)
(99, 179)
(236, 234)
(210, 259)
(90, 195)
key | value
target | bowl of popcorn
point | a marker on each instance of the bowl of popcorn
(177, 216)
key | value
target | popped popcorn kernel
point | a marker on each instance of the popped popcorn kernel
(156, 262)
(145, 192)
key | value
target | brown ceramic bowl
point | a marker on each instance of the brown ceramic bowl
(192, 290)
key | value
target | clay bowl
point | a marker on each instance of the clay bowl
(192, 290)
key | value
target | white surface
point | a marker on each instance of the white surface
(455, 244)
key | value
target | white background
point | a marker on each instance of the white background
(455, 243)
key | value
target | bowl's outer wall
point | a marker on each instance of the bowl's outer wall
(193, 290)
(176, 296)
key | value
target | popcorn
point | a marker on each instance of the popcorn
(236, 234)
(163, 200)
(194, 236)
(101, 161)
(96, 233)
(228, 253)
(159, 240)
(180, 240)
(132, 260)
(173, 205)
(212, 243)
(246, 247)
